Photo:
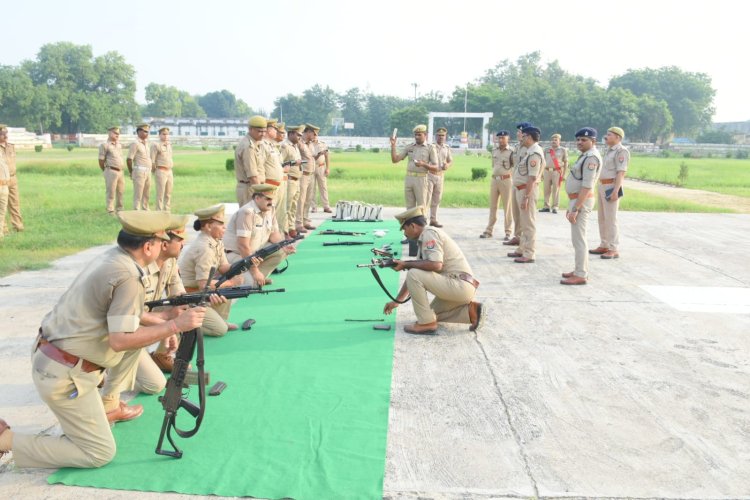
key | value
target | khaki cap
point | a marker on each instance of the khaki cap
(114, 129)
(617, 130)
(267, 190)
(298, 129)
(420, 128)
(281, 127)
(177, 225)
(313, 127)
(555, 136)
(403, 217)
(3, 126)
(144, 223)
(214, 212)
(257, 121)
(442, 131)
(272, 122)
(143, 126)
(163, 129)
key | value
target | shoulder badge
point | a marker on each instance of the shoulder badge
(533, 163)
(621, 158)
(430, 244)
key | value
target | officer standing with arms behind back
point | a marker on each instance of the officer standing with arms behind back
(556, 157)
(526, 189)
(422, 159)
(580, 188)
(110, 161)
(519, 151)
(501, 186)
(435, 180)
(161, 159)
(8, 150)
(139, 166)
(249, 156)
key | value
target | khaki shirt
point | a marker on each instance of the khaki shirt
(4, 175)
(107, 297)
(584, 172)
(166, 282)
(444, 156)
(111, 153)
(272, 168)
(139, 153)
(248, 160)
(161, 154)
(424, 152)
(249, 222)
(305, 151)
(561, 154)
(530, 166)
(436, 246)
(319, 146)
(289, 152)
(616, 159)
(519, 151)
(9, 152)
(502, 161)
(196, 262)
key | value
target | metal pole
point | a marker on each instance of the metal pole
(466, 94)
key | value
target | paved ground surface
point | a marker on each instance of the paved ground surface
(634, 386)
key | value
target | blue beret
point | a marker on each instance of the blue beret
(523, 125)
(503, 133)
(586, 132)
(531, 129)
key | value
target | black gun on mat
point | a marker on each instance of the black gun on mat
(346, 243)
(235, 292)
(243, 265)
(384, 262)
(341, 233)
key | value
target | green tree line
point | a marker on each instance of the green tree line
(67, 89)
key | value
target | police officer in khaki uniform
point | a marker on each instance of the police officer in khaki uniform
(525, 189)
(205, 252)
(435, 180)
(161, 159)
(501, 186)
(303, 223)
(4, 181)
(249, 156)
(519, 151)
(322, 170)
(253, 227)
(111, 163)
(556, 158)
(281, 204)
(8, 151)
(96, 324)
(422, 160)
(290, 153)
(580, 188)
(440, 269)
(614, 169)
(274, 170)
(139, 166)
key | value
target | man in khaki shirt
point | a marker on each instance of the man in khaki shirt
(440, 269)
(111, 163)
(519, 151)
(8, 150)
(4, 181)
(253, 227)
(290, 153)
(526, 189)
(139, 166)
(614, 168)
(161, 159)
(501, 185)
(422, 160)
(303, 222)
(435, 180)
(275, 171)
(98, 323)
(249, 157)
(556, 158)
(322, 170)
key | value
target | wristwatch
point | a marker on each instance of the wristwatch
(574, 209)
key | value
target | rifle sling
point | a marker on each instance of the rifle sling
(380, 282)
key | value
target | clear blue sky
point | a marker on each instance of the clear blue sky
(262, 51)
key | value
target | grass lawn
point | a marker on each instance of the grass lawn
(62, 193)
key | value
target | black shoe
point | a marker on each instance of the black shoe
(544, 209)
(554, 210)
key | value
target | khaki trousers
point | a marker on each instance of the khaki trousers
(141, 187)
(452, 297)
(215, 320)
(72, 396)
(164, 183)
(306, 192)
(3, 209)
(501, 189)
(149, 378)
(280, 204)
(415, 191)
(516, 211)
(609, 231)
(322, 181)
(434, 193)
(527, 220)
(14, 204)
(114, 183)
(244, 193)
(292, 202)
(120, 377)
(578, 237)
(551, 188)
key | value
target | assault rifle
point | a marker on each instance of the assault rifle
(347, 243)
(243, 265)
(341, 233)
(234, 292)
(384, 262)
(292, 162)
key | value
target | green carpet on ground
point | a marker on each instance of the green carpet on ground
(305, 411)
